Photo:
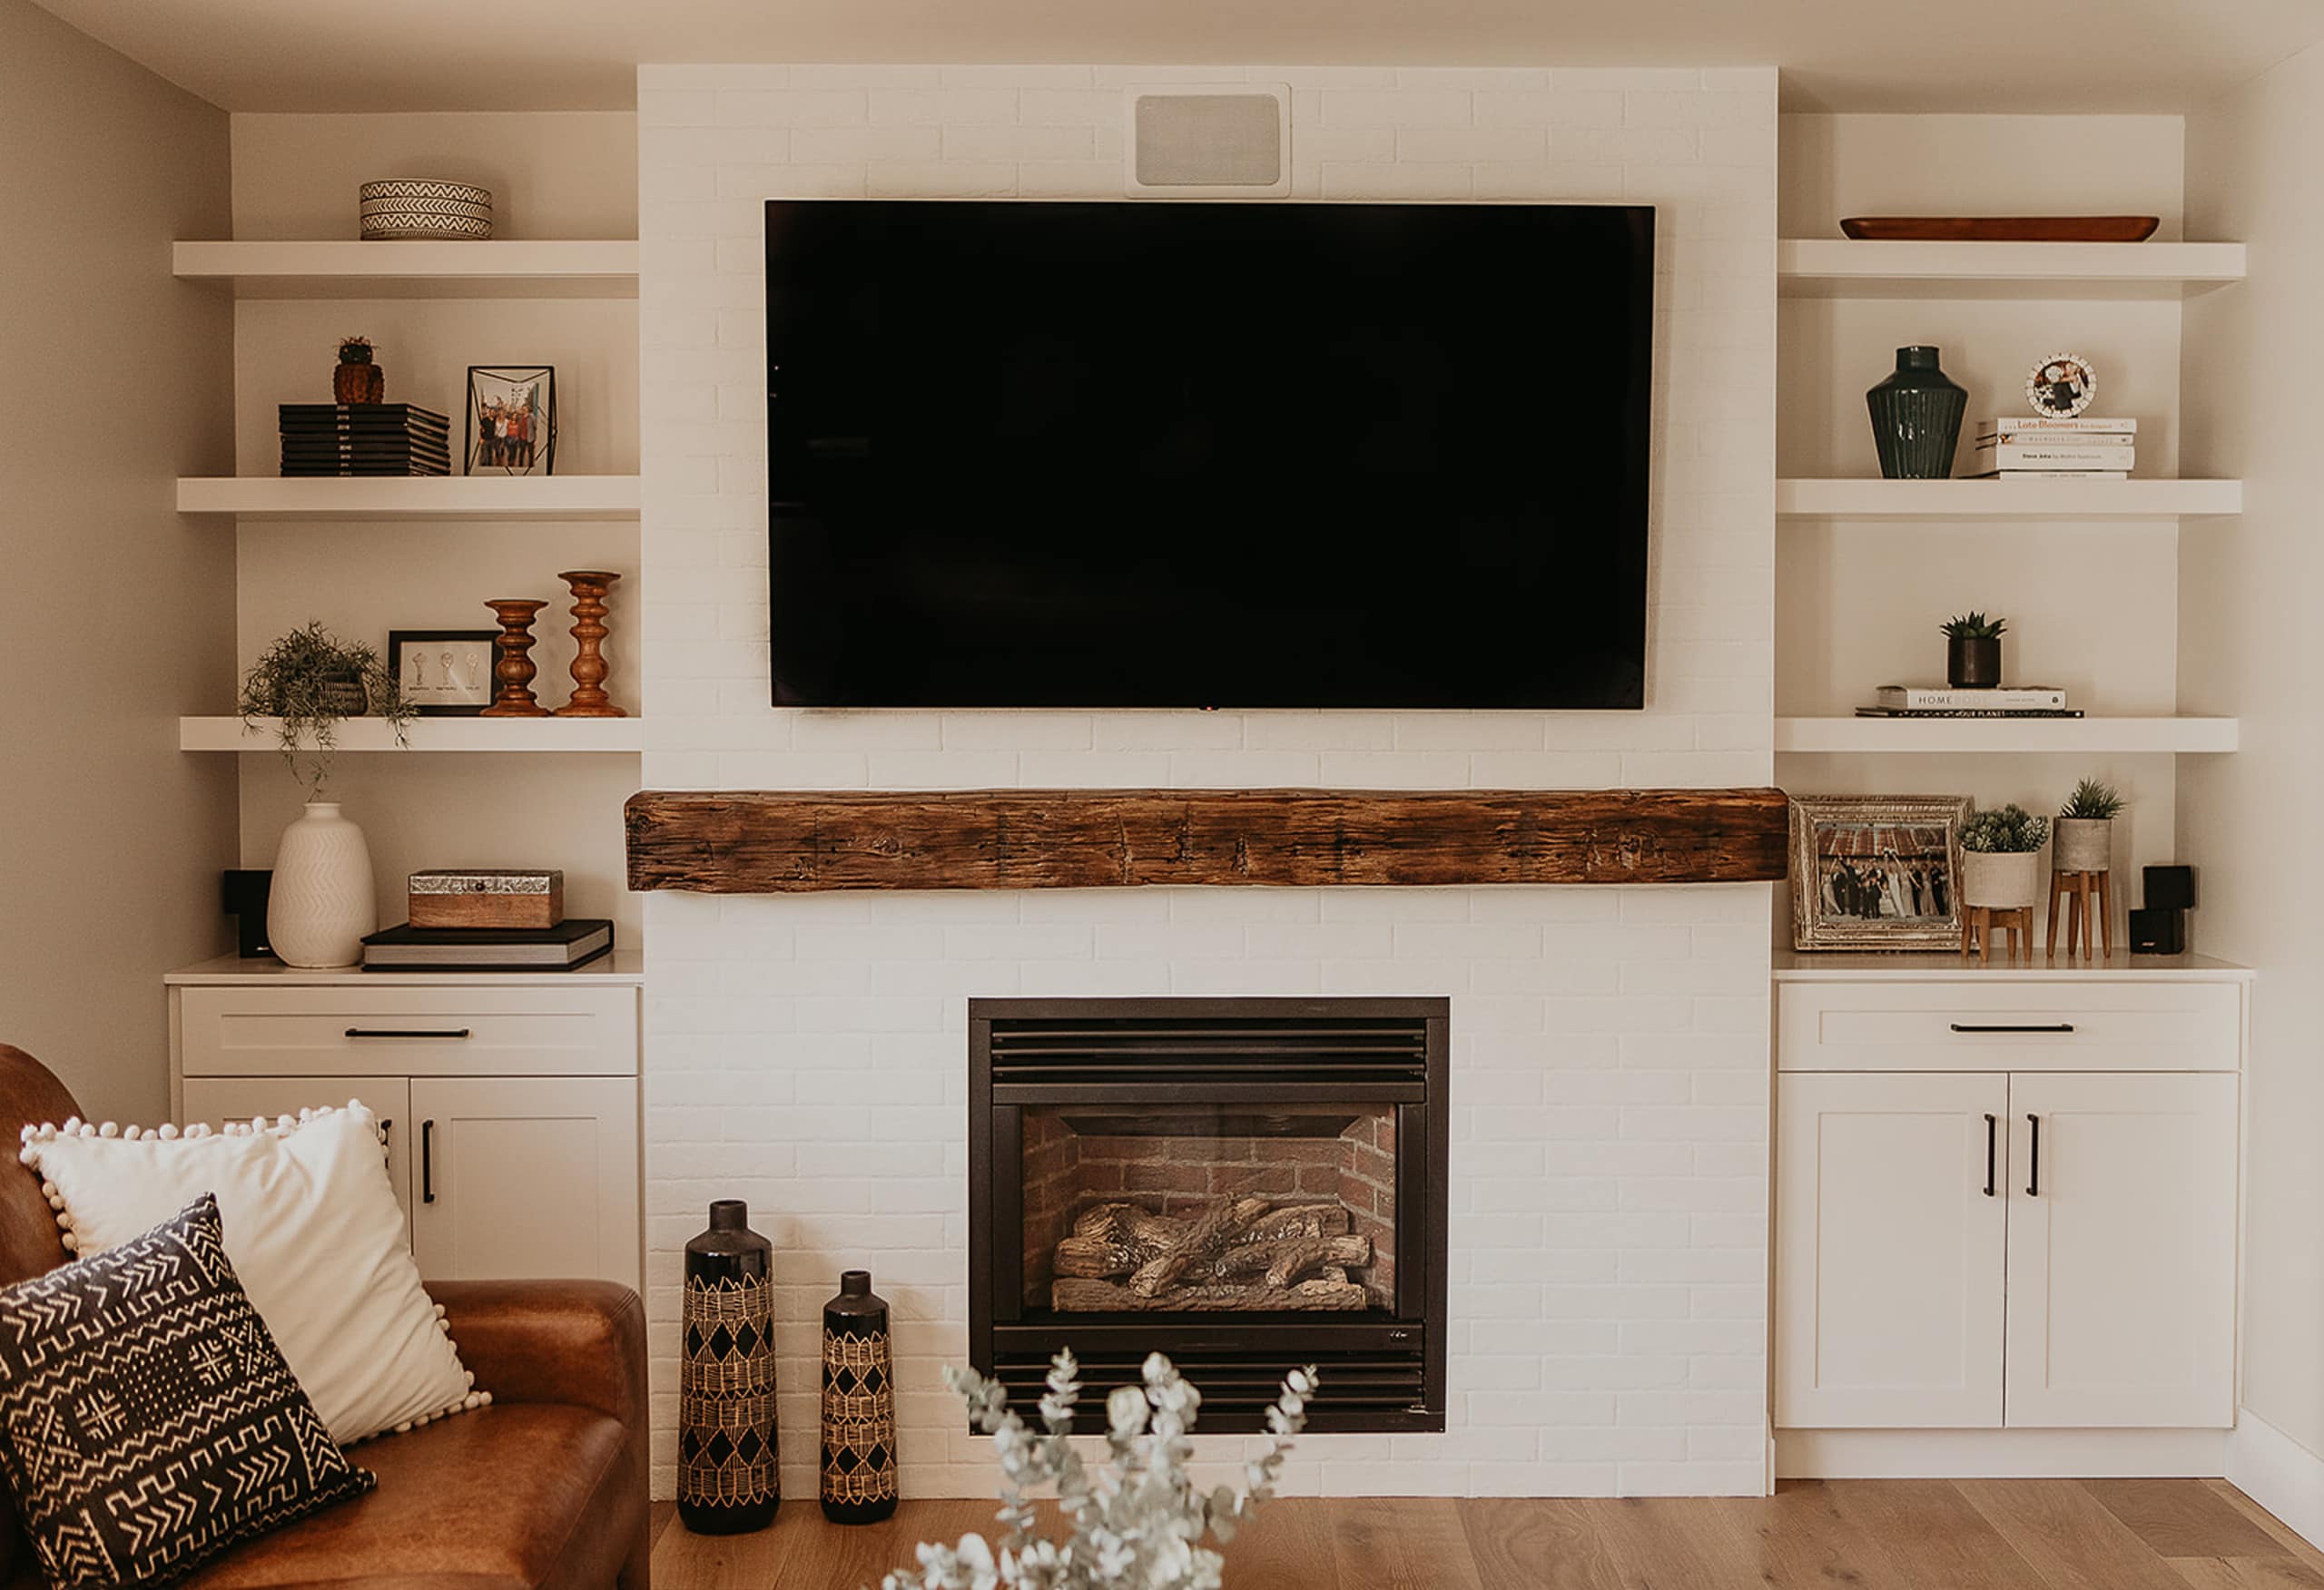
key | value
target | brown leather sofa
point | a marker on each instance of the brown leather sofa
(544, 1487)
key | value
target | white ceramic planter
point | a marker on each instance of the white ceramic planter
(2001, 882)
(321, 902)
(2082, 844)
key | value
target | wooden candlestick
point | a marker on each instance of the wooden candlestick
(513, 669)
(589, 631)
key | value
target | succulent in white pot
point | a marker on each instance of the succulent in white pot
(2001, 859)
(2085, 828)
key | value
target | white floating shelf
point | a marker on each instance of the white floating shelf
(2007, 499)
(266, 270)
(431, 734)
(437, 497)
(1844, 268)
(2126, 736)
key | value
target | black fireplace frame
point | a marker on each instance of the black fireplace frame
(1387, 1367)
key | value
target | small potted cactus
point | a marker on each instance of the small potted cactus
(2085, 828)
(358, 379)
(1973, 650)
(2001, 859)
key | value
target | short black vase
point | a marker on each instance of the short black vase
(1973, 662)
(1916, 417)
(727, 1482)
(859, 1483)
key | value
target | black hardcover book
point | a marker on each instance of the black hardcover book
(360, 414)
(559, 949)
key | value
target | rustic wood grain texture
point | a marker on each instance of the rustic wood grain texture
(2288, 1540)
(2178, 1520)
(1524, 1544)
(2072, 1542)
(1932, 1532)
(774, 842)
(2259, 1573)
(1402, 1543)
(1865, 1535)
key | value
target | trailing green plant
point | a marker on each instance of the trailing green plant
(2093, 802)
(2011, 831)
(309, 680)
(1974, 627)
(1137, 1524)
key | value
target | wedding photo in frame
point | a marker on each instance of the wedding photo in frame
(1876, 871)
(511, 425)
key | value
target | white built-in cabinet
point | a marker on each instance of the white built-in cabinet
(510, 1103)
(2006, 1202)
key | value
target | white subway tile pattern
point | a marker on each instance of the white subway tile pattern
(1610, 1053)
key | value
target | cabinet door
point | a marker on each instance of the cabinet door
(1889, 1249)
(525, 1177)
(2121, 1250)
(220, 1099)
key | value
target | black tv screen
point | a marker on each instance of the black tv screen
(1177, 454)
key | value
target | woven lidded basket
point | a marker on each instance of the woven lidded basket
(425, 206)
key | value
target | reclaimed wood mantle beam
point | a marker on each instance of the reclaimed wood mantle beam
(784, 842)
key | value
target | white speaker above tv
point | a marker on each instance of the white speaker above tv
(1207, 140)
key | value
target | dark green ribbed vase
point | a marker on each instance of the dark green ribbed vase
(1916, 417)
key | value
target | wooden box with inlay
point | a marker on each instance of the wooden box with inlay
(487, 897)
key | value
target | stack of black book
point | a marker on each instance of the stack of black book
(573, 942)
(364, 439)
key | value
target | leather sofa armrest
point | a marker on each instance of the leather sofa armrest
(579, 1342)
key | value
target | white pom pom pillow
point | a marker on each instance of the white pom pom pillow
(312, 1227)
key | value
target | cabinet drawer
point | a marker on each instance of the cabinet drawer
(408, 1031)
(2018, 1026)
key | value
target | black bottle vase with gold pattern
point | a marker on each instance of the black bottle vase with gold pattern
(858, 1405)
(726, 1475)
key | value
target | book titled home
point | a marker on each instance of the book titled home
(1936, 698)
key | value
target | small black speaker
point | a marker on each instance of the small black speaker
(242, 891)
(2157, 931)
(2170, 888)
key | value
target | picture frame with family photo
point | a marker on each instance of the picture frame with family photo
(1876, 871)
(445, 674)
(511, 424)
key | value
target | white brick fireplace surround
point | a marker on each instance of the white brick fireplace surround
(1610, 1064)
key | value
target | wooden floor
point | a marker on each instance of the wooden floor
(1865, 1535)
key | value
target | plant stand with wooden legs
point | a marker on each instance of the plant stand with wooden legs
(1980, 924)
(2088, 896)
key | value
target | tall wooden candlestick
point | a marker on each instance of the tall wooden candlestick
(513, 669)
(589, 631)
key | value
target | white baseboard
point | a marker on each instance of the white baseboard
(2277, 1473)
(2002, 1455)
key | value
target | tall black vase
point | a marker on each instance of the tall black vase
(726, 1475)
(858, 1405)
(1916, 417)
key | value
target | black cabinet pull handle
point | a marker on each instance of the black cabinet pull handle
(1990, 1127)
(406, 1032)
(2033, 1167)
(2058, 1027)
(387, 1127)
(428, 1161)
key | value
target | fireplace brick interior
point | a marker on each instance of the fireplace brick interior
(1068, 1171)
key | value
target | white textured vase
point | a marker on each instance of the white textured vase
(2001, 880)
(321, 903)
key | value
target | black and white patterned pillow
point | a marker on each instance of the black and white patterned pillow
(146, 1420)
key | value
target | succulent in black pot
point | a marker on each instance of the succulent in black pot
(1973, 650)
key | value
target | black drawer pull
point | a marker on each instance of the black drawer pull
(2033, 1159)
(428, 1161)
(406, 1032)
(2055, 1026)
(1991, 1125)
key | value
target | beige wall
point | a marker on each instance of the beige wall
(119, 615)
(2249, 644)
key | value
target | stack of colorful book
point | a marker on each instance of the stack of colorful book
(364, 439)
(2037, 448)
(1914, 701)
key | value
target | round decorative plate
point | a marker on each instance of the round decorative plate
(2062, 386)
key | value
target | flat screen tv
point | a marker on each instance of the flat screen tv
(1174, 454)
